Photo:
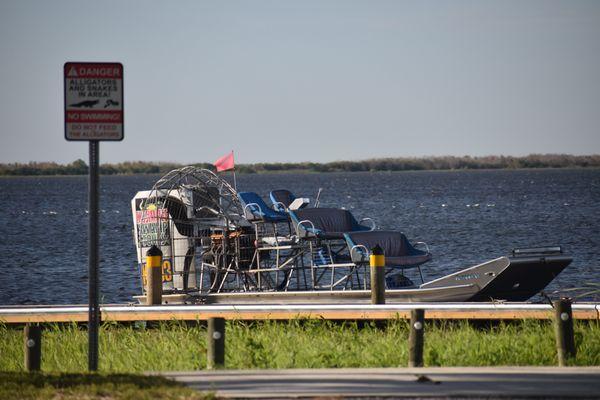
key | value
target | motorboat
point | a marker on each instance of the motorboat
(220, 245)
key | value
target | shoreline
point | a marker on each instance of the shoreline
(300, 171)
(307, 172)
(397, 164)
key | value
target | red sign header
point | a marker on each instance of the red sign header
(107, 70)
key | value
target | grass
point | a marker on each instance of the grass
(299, 344)
(21, 385)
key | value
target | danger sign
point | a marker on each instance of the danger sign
(93, 101)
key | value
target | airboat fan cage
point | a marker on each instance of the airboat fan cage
(180, 214)
(192, 194)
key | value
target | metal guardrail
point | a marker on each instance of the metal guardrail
(561, 311)
(448, 311)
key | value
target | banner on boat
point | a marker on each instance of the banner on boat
(93, 101)
(153, 226)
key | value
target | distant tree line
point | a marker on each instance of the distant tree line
(79, 167)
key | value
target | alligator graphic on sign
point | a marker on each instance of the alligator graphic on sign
(110, 102)
(86, 103)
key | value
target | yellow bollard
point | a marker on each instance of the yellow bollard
(377, 262)
(154, 276)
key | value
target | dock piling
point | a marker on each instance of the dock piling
(154, 274)
(377, 264)
(33, 347)
(416, 338)
(563, 328)
(215, 343)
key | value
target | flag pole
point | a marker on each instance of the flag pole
(234, 181)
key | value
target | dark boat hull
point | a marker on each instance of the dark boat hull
(523, 278)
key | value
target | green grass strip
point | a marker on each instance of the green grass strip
(22, 385)
(300, 344)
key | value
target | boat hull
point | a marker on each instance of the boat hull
(504, 278)
(523, 278)
(414, 295)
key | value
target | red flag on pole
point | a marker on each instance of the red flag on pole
(225, 163)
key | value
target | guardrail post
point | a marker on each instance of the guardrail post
(215, 343)
(416, 338)
(563, 328)
(154, 276)
(33, 347)
(377, 263)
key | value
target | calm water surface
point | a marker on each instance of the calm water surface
(466, 217)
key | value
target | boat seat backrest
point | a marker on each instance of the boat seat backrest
(328, 220)
(398, 251)
(255, 208)
(393, 243)
(281, 197)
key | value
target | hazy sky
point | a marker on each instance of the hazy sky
(309, 80)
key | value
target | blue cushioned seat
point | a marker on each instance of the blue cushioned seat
(255, 209)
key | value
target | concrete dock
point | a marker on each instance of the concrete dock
(440, 383)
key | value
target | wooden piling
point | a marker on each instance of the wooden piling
(154, 276)
(215, 343)
(377, 263)
(563, 329)
(33, 347)
(416, 338)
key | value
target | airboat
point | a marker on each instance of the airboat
(224, 246)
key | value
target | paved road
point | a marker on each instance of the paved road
(506, 382)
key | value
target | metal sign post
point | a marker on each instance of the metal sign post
(94, 256)
(93, 112)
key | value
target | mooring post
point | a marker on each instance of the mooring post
(377, 263)
(33, 347)
(563, 329)
(415, 338)
(154, 276)
(215, 343)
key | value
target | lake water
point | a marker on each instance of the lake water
(466, 217)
